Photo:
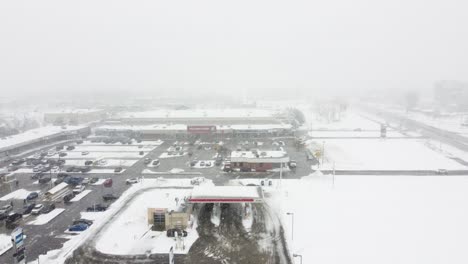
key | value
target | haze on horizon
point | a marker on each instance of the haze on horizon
(200, 47)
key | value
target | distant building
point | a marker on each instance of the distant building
(451, 95)
(75, 116)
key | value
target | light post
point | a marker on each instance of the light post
(297, 255)
(292, 224)
(323, 150)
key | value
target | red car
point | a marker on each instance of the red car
(108, 182)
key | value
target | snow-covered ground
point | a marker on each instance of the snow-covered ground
(108, 163)
(5, 243)
(350, 120)
(134, 143)
(103, 155)
(199, 166)
(352, 134)
(374, 219)
(102, 219)
(166, 155)
(112, 148)
(80, 196)
(19, 194)
(43, 219)
(130, 233)
(382, 154)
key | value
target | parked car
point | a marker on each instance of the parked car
(62, 175)
(141, 153)
(73, 180)
(131, 181)
(12, 220)
(58, 181)
(78, 189)
(4, 210)
(147, 161)
(83, 221)
(44, 180)
(202, 163)
(32, 196)
(62, 154)
(85, 169)
(156, 163)
(78, 228)
(218, 160)
(227, 167)
(85, 181)
(108, 183)
(70, 169)
(48, 208)
(94, 180)
(442, 172)
(37, 209)
(193, 163)
(208, 164)
(172, 232)
(70, 147)
(292, 164)
(28, 208)
(36, 176)
(118, 169)
(68, 197)
(96, 208)
(60, 162)
(88, 163)
(79, 141)
(109, 197)
(58, 148)
(38, 168)
(84, 153)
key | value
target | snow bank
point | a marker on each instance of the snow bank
(46, 218)
(80, 196)
(19, 194)
(5, 243)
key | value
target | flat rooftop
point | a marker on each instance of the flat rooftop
(29, 136)
(226, 194)
(183, 127)
(203, 113)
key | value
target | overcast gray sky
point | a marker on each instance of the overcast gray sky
(184, 46)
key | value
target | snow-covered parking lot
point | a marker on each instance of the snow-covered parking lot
(374, 219)
(381, 154)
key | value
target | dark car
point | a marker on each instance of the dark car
(32, 196)
(85, 169)
(88, 163)
(70, 169)
(60, 162)
(48, 208)
(109, 197)
(58, 147)
(193, 163)
(78, 228)
(83, 221)
(62, 175)
(94, 180)
(96, 208)
(70, 147)
(218, 161)
(141, 153)
(118, 169)
(12, 220)
(62, 154)
(68, 197)
(37, 175)
(73, 180)
(28, 208)
(171, 232)
(44, 180)
(58, 181)
(79, 141)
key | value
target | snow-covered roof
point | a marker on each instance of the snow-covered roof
(30, 136)
(75, 111)
(226, 194)
(259, 156)
(202, 113)
(182, 127)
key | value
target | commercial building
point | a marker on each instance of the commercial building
(258, 160)
(36, 138)
(163, 219)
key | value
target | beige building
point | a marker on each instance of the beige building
(162, 219)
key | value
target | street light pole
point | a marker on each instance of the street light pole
(292, 224)
(323, 150)
(297, 255)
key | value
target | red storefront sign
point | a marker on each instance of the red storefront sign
(201, 129)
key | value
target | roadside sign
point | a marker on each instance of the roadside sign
(17, 238)
(171, 255)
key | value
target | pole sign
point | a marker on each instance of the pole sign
(171, 255)
(17, 238)
(201, 129)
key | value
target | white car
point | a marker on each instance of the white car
(51, 153)
(85, 181)
(155, 163)
(132, 181)
(78, 189)
(55, 169)
(84, 153)
(37, 209)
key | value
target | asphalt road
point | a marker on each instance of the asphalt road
(43, 238)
